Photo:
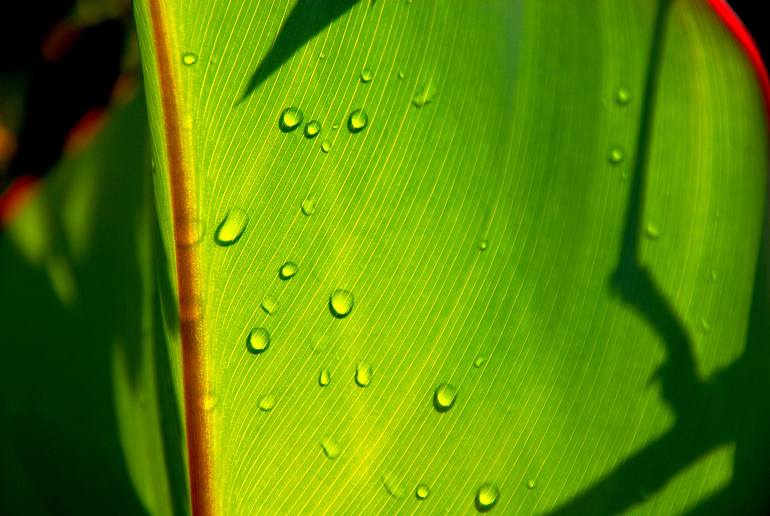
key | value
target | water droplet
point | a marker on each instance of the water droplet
(623, 96)
(531, 483)
(312, 129)
(290, 119)
(191, 233)
(422, 491)
(209, 402)
(258, 341)
(486, 497)
(288, 270)
(267, 403)
(324, 377)
(335, 126)
(341, 303)
(444, 397)
(652, 231)
(357, 121)
(322, 55)
(270, 305)
(616, 155)
(479, 361)
(393, 485)
(424, 95)
(189, 58)
(367, 75)
(713, 275)
(705, 325)
(326, 146)
(308, 206)
(363, 374)
(483, 244)
(231, 228)
(401, 74)
(331, 447)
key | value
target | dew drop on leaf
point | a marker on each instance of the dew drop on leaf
(330, 447)
(401, 74)
(267, 403)
(652, 231)
(424, 95)
(270, 305)
(486, 497)
(479, 361)
(357, 121)
(367, 75)
(531, 483)
(209, 402)
(312, 129)
(393, 485)
(189, 58)
(616, 155)
(308, 206)
(231, 228)
(288, 270)
(341, 303)
(483, 244)
(258, 340)
(363, 374)
(705, 325)
(623, 96)
(290, 119)
(422, 491)
(191, 233)
(326, 146)
(444, 397)
(324, 377)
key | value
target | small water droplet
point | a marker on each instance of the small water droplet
(705, 325)
(322, 55)
(616, 155)
(189, 58)
(209, 402)
(713, 275)
(363, 374)
(422, 491)
(401, 74)
(357, 121)
(288, 270)
(341, 303)
(258, 341)
(486, 497)
(312, 129)
(231, 228)
(367, 75)
(393, 485)
(483, 244)
(290, 119)
(444, 397)
(479, 361)
(652, 231)
(270, 305)
(308, 206)
(267, 403)
(326, 146)
(324, 377)
(531, 483)
(191, 233)
(424, 95)
(623, 96)
(330, 447)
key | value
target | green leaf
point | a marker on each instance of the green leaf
(554, 207)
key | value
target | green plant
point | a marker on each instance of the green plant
(550, 216)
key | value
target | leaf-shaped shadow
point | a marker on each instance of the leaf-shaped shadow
(306, 19)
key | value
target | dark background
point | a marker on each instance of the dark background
(57, 71)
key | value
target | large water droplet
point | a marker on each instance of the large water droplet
(258, 340)
(288, 270)
(422, 491)
(486, 497)
(616, 155)
(308, 206)
(324, 377)
(623, 96)
(424, 95)
(267, 403)
(479, 361)
(367, 75)
(231, 228)
(393, 485)
(326, 146)
(363, 374)
(270, 305)
(189, 58)
(290, 119)
(652, 231)
(312, 129)
(444, 397)
(330, 447)
(341, 303)
(357, 121)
